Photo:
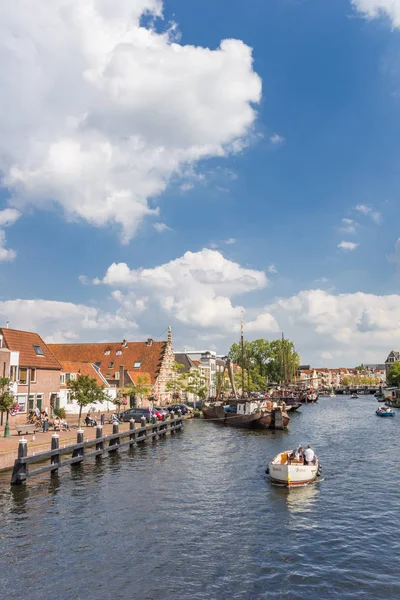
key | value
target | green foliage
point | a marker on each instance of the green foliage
(85, 391)
(6, 398)
(60, 413)
(266, 362)
(194, 383)
(177, 383)
(393, 376)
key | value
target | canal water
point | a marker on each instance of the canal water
(194, 517)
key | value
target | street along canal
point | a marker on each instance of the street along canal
(193, 517)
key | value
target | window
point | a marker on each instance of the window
(137, 364)
(23, 375)
(69, 399)
(31, 401)
(13, 373)
(110, 366)
(98, 364)
(62, 379)
(118, 352)
(107, 352)
(116, 376)
(21, 399)
(38, 350)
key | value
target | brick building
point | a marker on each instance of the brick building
(126, 363)
(32, 368)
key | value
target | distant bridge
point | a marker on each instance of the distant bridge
(358, 389)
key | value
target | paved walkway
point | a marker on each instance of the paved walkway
(39, 442)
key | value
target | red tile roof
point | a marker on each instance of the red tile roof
(24, 342)
(145, 378)
(149, 356)
(82, 368)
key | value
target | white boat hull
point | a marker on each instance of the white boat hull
(291, 475)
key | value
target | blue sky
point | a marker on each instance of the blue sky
(275, 184)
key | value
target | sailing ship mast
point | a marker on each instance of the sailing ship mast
(242, 347)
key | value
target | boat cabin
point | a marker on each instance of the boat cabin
(247, 407)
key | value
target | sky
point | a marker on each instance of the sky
(192, 163)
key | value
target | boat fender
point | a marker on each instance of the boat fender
(267, 470)
(319, 471)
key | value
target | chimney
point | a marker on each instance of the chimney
(121, 376)
(124, 344)
(7, 324)
(149, 342)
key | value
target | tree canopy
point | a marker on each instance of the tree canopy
(266, 362)
(393, 376)
(6, 397)
(86, 391)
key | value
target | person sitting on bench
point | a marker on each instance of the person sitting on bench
(90, 421)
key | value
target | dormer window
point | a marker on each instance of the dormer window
(38, 350)
(116, 376)
(110, 366)
(137, 364)
(107, 352)
(118, 352)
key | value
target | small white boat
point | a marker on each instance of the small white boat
(332, 395)
(290, 472)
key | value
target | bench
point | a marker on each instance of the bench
(28, 428)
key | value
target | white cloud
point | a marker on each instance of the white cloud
(272, 269)
(143, 107)
(5, 254)
(197, 288)
(230, 241)
(367, 210)
(348, 246)
(362, 208)
(348, 226)
(8, 216)
(276, 139)
(373, 9)
(160, 227)
(358, 326)
(65, 321)
(326, 355)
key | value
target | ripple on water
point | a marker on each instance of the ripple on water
(194, 518)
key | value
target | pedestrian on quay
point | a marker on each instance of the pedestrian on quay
(102, 419)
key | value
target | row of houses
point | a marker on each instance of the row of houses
(324, 378)
(41, 373)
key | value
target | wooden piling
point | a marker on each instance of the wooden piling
(99, 445)
(19, 473)
(55, 458)
(114, 441)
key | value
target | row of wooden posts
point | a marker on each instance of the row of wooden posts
(103, 445)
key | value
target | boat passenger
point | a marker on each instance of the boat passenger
(309, 455)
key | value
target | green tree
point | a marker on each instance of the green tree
(86, 391)
(393, 376)
(266, 362)
(6, 402)
(177, 382)
(195, 384)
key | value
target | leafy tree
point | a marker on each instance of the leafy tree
(142, 386)
(6, 401)
(85, 391)
(393, 376)
(266, 361)
(222, 382)
(177, 383)
(195, 384)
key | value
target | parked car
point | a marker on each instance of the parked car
(137, 413)
(183, 407)
(163, 410)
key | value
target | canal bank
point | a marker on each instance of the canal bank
(194, 517)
